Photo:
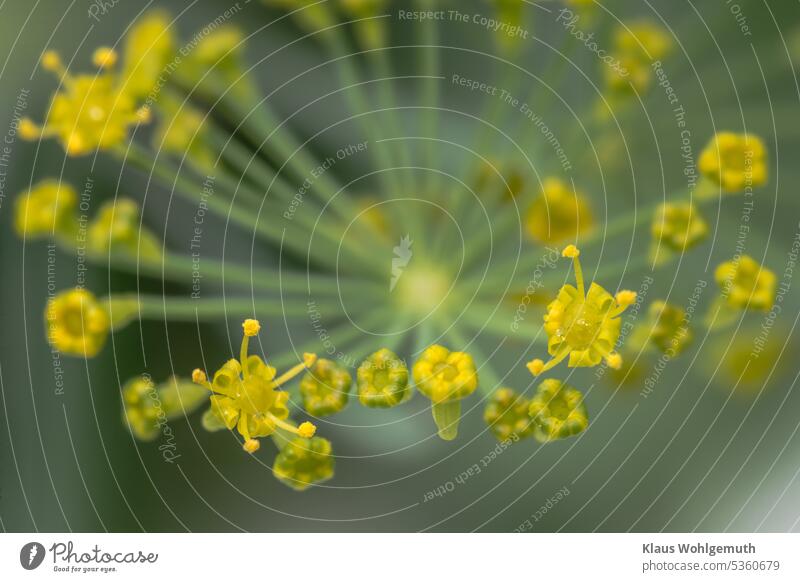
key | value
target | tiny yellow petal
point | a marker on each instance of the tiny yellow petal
(251, 327)
(251, 445)
(626, 298)
(570, 251)
(536, 366)
(614, 361)
(306, 430)
(104, 57)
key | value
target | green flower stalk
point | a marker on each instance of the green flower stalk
(506, 414)
(382, 380)
(325, 388)
(445, 378)
(304, 462)
(557, 411)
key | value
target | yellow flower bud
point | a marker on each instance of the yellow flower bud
(251, 327)
(77, 323)
(506, 414)
(304, 462)
(557, 411)
(325, 389)
(559, 213)
(382, 380)
(746, 284)
(46, 209)
(735, 161)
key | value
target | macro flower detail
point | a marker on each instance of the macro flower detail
(149, 46)
(382, 380)
(77, 323)
(325, 388)
(304, 462)
(734, 161)
(557, 411)
(117, 228)
(583, 326)
(559, 213)
(90, 111)
(679, 226)
(246, 395)
(445, 378)
(506, 414)
(47, 208)
(745, 284)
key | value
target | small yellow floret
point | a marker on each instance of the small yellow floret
(614, 361)
(251, 327)
(251, 445)
(306, 430)
(536, 366)
(104, 57)
(570, 252)
(626, 298)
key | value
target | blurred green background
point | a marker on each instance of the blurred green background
(692, 455)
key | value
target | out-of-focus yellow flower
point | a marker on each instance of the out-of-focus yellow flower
(445, 378)
(325, 388)
(666, 328)
(246, 395)
(679, 226)
(304, 462)
(149, 47)
(746, 284)
(77, 323)
(117, 227)
(506, 413)
(735, 161)
(182, 130)
(560, 213)
(382, 380)
(584, 326)
(557, 411)
(635, 37)
(633, 75)
(89, 112)
(47, 208)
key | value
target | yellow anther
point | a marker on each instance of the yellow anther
(626, 298)
(570, 251)
(614, 361)
(198, 376)
(251, 327)
(536, 366)
(306, 430)
(104, 57)
(309, 359)
(251, 445)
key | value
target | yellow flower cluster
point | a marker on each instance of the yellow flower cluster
(382, 380)
(246, 395)
(734, 161)
(557, 411)
(506, 414)
(77, 323)
(746, 284)
(90, 111)
(559, 213)
(303, 462)
(636, 46)
(679, 226)
(583, 326)
(325, 388)
(445, 378)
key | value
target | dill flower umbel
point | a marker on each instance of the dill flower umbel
(445, 378)
(557, 411)
(746, 284)
(77, 323)
(117, 227)
(47, 208)
(90, 111)
(325, 388)
(304, 462)
(246, 395)
(560, 213)
(584, 326)
(506, 413)
(735, 161)
(679, 226)
(382, 380)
